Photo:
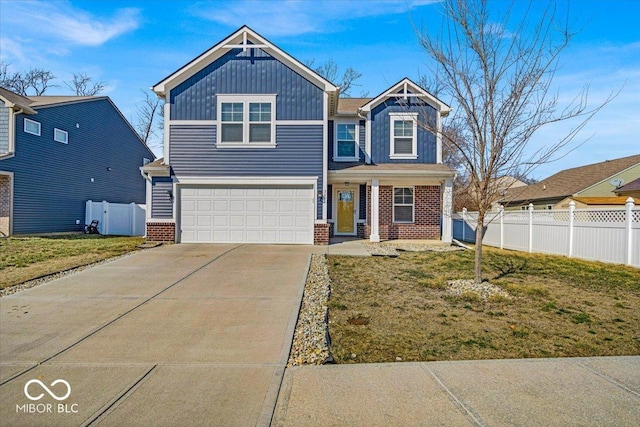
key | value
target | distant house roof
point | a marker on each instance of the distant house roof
(630, 186)
(571, 181)
(612, 200)
(30, 102)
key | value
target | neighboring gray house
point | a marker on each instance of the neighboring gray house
(57, 152)
(260, 149)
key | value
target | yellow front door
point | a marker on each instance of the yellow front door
(345, 211)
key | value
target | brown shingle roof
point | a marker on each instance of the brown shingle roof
(350, 105)
(630, 186)
(612, 200)
(571, 181)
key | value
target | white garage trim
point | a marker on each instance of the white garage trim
(254, 180)
(247, 211)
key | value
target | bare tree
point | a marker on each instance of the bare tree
(498, 76)
(34, 82)
(150, 112)
(330, 71)
(82, 85)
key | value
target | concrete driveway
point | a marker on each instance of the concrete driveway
(177, 335)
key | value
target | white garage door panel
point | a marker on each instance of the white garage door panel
(247, 214)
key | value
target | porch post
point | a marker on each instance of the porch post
(447, 211)
(375, 202)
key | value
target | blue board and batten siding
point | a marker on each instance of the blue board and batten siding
(381, 132)
(193, 152)
(250, 72)
(53, 181)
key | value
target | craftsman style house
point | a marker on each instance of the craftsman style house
(260, 149)
(57, 152)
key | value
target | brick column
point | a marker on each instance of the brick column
(161, 232)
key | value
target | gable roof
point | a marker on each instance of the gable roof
(13, 100)
(630, 186)
(403, 89)
(571, 181)
(241, 39)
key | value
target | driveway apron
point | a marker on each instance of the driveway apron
(177, 335)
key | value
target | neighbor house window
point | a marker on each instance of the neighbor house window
(346, 142)
(404, 141)
(246, 120)
(403, 204)
(32, 127)
(60, 136)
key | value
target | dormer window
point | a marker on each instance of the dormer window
(346, 142)
(404, 135)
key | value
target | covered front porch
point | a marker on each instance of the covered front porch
(390, 201)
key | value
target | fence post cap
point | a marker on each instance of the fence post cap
(464, 210)
(630, 201)
(572, 203)
(530, 206)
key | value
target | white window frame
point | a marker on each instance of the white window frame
(405, 117)
(32, 122)
(355, 158)
(246, 99)
(413, 205)
(63, 132)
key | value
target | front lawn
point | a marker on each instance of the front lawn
(392, 309)
(26, 258)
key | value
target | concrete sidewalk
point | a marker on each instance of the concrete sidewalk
(176, 335)
(599, 391)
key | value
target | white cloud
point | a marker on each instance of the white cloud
(64, 22)
(295, 17)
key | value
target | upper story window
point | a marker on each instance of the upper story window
(404, 135)
(346, 142)
(32, 127)
(246, 119)
(60, 136)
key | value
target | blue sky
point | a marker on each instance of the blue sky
(131, 45)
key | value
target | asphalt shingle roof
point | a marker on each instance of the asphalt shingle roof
(571, 181)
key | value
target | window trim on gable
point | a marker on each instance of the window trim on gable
(412, 204)
(405, 117)
(32, 122)
(63, 132)
(356, 157)
(246, 100)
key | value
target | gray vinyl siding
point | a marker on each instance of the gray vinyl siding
(361, 140)
(193, 152)
(380, 132)
(4, 129)
(250, 72)
(161, 203)
(52, 181)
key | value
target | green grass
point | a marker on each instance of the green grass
(556, 307)
(26, 258)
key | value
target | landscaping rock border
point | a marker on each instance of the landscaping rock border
(311, 337)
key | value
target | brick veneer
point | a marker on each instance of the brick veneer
(427, 211)
(321, 234)
(161, 231)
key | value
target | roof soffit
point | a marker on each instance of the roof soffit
(240, 39)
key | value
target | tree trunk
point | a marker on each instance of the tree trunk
(477, 269)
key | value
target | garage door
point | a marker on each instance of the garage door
(247, 214)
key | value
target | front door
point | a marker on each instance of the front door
(345, 211)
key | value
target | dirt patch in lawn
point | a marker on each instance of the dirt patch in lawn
(392, 309)
(26, 258)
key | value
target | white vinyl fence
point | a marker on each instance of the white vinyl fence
(116, 218)
(608, 235)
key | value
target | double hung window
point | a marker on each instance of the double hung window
(246, 120)
(403, 204)
(403, 135)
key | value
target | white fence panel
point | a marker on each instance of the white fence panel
(600, 242)
(608, 235)
(117, 218)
